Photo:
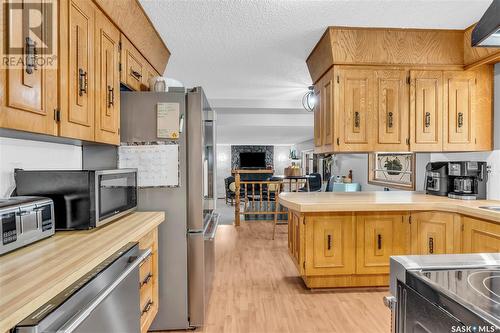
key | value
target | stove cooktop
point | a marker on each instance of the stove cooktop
(477, 289)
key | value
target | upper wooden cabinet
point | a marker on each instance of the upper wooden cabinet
(132, 65)
(78, 97)
(400, 90)
(318, 119)
(355, 111)
(107, 106)
(459, 105)
(28, 92)
(426, 110)
(77, 70)
(391, 109)
(135, 70)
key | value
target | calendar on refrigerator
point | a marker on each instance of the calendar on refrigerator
(157, 165)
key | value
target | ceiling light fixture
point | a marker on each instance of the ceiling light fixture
(309, 100)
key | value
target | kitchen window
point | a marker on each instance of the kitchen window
(394, 170)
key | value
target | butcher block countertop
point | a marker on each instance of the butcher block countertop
(385, 201)
(31, 276)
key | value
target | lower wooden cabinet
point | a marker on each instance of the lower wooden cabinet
(148, 281)
(353, 249)
(296, 239)
(330, 248)
(435, 233)
(480, 236)
(379, 236)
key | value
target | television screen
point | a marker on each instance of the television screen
(253, 160)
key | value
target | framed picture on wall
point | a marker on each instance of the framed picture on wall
(393, 170)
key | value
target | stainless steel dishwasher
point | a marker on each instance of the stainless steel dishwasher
(104, 300)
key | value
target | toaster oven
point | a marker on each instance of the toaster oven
(24, 220)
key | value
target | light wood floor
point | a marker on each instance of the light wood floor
(256, 289)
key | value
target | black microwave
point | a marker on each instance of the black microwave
(83, 199)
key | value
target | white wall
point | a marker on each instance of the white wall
(223, 168)
(27, 154)
(358, 163)
(491, 157)
(281, 160)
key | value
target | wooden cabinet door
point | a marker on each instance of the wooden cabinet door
(426, 110)
(295, 239)
(391, 110)
(150, 73)
(107, 115)
(30, 89)
(434, 233)
(480, 236)
(318, 119)
(459, 110)
(355, 114)
(326, 86)
(330, 244)
(132, 70)
(379, 236)
(77, 69)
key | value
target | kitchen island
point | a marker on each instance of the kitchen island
(346, 239)
(31, 276)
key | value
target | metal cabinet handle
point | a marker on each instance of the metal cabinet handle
(431, 245)
(329, 242)
(427, 119)
(111, 96)
(460, 119)
(147, 307)
(31, 54)
(389, 119)
(379, 241)
(356, 119)
(146, 279)
(82, 82)
(85, 312)
(135, 74)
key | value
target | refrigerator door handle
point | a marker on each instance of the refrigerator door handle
(215, 224)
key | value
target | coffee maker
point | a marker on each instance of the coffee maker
(467, 180)
(436, 178)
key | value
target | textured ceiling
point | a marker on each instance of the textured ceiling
(255, 50)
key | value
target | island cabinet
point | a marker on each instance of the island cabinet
(405, 97)
(480, 236)
(353, 249)
(379, 236)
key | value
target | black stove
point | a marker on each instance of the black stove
(472, 295)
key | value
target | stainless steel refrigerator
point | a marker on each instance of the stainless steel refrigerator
(186, 238)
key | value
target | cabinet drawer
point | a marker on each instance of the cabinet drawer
(146, 271)
(148, 241)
